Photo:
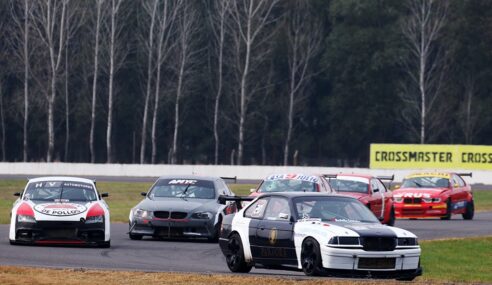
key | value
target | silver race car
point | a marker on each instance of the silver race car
(60, 210)
(181, 206)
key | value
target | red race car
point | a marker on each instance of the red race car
(369, 190)
(434, 195)
(292, 182)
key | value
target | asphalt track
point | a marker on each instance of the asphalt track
(192, 255)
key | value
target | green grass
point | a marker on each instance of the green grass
(458, 260)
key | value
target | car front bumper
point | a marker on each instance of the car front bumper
(422, 210)
(55, 232)
(174, 228)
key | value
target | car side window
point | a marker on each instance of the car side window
(374, 185)
(458, 180)
(277, 210)
(257, 209)
(381, 186)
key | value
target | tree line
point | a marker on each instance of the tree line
(304, 82)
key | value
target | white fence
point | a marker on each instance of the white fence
(253, 172)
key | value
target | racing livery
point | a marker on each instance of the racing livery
(292, 182)
(370, 190)
(181, 206)
(60, 210)
(434, 195)
(318, 233)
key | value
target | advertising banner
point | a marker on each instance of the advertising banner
(433, 156)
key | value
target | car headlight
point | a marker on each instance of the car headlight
(142, 214)
(427, 200)
(431, 200)
(202, 215)
(407, 241)
(25, 219)
(398, 199)
(94, 219)
(344, 241)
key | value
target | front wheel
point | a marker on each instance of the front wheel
(106, 244)
(235, 259)
(391, 220)
(311, 258)
(448, 210)
(135, 237)
(470, 211)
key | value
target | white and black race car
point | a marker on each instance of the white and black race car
(60, 210)
(318, 233)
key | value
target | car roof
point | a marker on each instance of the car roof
(190, 176)
(368, 176)
(304, 194)
(61, 178)
(441, 174)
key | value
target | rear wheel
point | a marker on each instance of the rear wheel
(106, 244)
(311, 258)
(235, 259)
(448, 210)
(470, 211)
(391, 221)
(135, 237)
(13, 242)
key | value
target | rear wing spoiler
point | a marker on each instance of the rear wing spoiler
(469, 174)
(330, 176)
(389, 178)
(237, 199)
(230, 178)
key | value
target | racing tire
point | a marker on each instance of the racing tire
(235, 260)
(311, 258)
(106, 244)
(470, 211)
(411, 278)
(135, 237)
(215, 237)
(13, 242)
(391, 221)
(448, 211)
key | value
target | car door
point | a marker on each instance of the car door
(275, 234)
(460, 194)
(375, 198)
(255, 213)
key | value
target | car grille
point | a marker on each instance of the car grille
(412, 212)
(412, 200)
(377, 263)
(379, 243)
(172, 215)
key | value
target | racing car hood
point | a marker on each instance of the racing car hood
(67, 211)
(177, 204)
(419, 192)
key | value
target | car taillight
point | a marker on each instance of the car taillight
(95, 211)
(25, 210)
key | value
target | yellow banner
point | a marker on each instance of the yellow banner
(433, 156)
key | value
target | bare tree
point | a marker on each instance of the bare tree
(187, 35)
(99, 18)
(304, 42)
(220, 11)
(252, 18)
(49, 22)
(20, 38)
(425, 65)
(117, 53)
(2, 119)
(166, 18)
(150, 8)
(472, 116)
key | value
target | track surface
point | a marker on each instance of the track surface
(192, 256)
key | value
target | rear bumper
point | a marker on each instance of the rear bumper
(168, 228)
(69, 233)
(423, 210)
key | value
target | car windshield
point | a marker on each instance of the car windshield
(183, 188)
(346, 185)
(425, 182)
(339, 209)
(287, 185)
(62, 191)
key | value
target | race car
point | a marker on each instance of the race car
(60, 210)
(292, 182)
(318, 233)
(434, 195)
(181, 206)
(370, 190)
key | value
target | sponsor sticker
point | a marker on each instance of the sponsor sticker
(302, 177)
(182, 181)
(64, 209)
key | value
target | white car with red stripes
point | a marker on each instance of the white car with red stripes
(60, 210)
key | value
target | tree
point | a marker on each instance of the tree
(252, 19)
(425, 67)
(304, 42)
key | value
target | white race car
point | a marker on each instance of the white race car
(60, 210)
(318, 233)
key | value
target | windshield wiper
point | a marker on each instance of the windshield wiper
(184, 192)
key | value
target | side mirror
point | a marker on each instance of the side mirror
(143, 194)
(103, 195)
(283, 216)
(252, 190)
(17, 194)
